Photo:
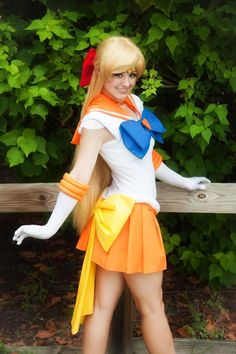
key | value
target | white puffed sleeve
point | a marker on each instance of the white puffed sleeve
(98, 120)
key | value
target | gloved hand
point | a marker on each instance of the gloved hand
(165, 174)
(63, 207)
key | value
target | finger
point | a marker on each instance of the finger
(19, 231)
(21, 237)
(201, 187)
(205, 180)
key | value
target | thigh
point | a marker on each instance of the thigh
(108, 288)
(146, 290)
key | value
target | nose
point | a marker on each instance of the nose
(126, 82)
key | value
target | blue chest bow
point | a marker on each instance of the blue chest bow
(136, 134)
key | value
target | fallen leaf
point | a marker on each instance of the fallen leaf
(183, 332)
(60, 340)
(53, 301)
(49, 332)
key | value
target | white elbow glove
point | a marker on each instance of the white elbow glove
(165, 174)
(63, 207)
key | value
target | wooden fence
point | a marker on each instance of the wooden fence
(40, 197)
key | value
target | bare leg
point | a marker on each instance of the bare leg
(147, 292)
(108, 288)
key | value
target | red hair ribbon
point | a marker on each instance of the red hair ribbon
(87, 67)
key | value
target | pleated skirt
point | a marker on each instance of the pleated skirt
(138, 248)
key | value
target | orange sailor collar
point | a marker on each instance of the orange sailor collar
(106, 105)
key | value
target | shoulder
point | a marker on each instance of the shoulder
(98, 120)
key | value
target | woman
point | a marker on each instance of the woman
(113, 178)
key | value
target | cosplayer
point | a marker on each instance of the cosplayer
(112, 191)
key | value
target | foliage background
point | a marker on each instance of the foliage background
(190, 82)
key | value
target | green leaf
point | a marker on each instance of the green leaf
(14, 81)
(232, 82)
(28, 133)
(172, 42)
(204, 49)
(61, 32)
(221, 112)
(198, 10)
(52, 150)
(40, 159)
(154, 34)
(186, 255)
(175, 240)
(40, 70)
(201, 59)
(28, 169)
(195, 130)
(36, 24)
(182, 111)
(71, 15)
(73, 81)
(233, 237)
(4, 88)
(3, 125)
(206, 134)
(82, 45)
(168, 247)
(203, 32)
(13, 69)
(183, 84)
(228, 262)
(41, 144)
(39, 109)
(174, 26)
(27, 145)
(56, 43)
(215, 271)
(3, 104)
(208, 120)
(15, 156)
(10, 138)
(44, 34)
(210, 108)
(48, 96)
(161, 21)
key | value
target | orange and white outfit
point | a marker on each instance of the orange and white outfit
(138, 246)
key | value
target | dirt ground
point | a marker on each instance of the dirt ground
(39, 279)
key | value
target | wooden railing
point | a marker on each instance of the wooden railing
(41, 197)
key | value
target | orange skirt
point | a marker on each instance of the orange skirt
(138, 248)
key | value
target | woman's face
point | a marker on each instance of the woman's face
(119, 85)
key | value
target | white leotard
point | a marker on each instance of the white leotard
(131, 176)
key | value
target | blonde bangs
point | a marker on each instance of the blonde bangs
(118, 55)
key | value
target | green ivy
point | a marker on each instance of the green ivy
(190, 82)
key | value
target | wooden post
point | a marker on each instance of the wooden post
(121, 328)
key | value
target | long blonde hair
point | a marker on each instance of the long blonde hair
(115, 54)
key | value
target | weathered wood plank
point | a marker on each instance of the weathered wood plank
(27, 197)
(38, 197)
(217, 198)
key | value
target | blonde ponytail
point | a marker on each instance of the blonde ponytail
(100, 179)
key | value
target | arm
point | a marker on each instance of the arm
(90, 145)
(165, 174)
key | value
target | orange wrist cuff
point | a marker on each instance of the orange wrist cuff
(73, 188)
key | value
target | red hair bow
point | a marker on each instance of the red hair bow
(87, 67)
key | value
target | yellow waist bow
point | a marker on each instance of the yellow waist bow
(109, 218)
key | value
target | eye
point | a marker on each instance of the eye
(118, 75)
(133, 75)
